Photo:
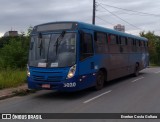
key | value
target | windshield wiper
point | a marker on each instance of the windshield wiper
(58, 41)
(40, 46)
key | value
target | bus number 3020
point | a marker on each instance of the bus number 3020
(70, 84)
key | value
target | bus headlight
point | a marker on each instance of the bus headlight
(28, 72)
(71, 72)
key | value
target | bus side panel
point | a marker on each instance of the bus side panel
(90, 66)
(87, 72)
(115, 63)
(124, 66)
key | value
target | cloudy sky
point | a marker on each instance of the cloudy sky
(20, 14)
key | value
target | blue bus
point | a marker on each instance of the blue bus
(71, 56)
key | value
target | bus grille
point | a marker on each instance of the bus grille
(38, 78)
(54, 78)
(48, 79)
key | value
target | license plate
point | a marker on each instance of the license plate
(47, 86)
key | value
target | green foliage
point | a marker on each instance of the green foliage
(13, 60)
(29, 31)
(6, 40)
(154, 46)
(14, 53)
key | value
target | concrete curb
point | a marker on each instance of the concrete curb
(7, 96)
(11, 92)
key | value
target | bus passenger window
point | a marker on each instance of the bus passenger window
(123, 41)
(113, 39)
(144, 44)
(100, 42)
(130, 41)
(136, 43)
(140, 43)
(86, 46)
(147, 44)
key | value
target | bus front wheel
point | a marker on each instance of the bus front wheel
(99, 80)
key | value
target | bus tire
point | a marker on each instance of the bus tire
(136, 70)
(99, 80)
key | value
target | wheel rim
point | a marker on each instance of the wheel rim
(100, 80)
(136, 71)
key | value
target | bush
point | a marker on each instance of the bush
(14, 54)
(13, 60)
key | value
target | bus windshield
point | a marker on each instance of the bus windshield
(53, 50)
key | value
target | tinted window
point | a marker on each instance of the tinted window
(112, 39)
(137, 42)
(100, 42)
(130, 41)
(143, 44)
(123, 40)
(146, 44)
(86, 46)
(140, 43)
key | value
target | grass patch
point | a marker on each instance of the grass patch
(12, 78)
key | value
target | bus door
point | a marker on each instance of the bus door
(87, 66)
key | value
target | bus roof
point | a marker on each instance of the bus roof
(82, 25)
(102, 29)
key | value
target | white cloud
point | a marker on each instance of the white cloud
(1, 34)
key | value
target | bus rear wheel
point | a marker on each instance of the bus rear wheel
(136, 70)
(99, 80)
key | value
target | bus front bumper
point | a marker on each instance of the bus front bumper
(68, 85)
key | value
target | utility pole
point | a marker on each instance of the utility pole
(94, 12)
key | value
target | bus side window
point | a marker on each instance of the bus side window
(86, 46)
(123, 40)
(144, 43)
(131, 43)
(139, 43)
(134, 45)
(123, 44)
(100, 42)
(113, 39)
(113, 42)
(146, 46)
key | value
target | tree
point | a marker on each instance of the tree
(14, 50)
(13, 55)
(29, 31)
(153, 46)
